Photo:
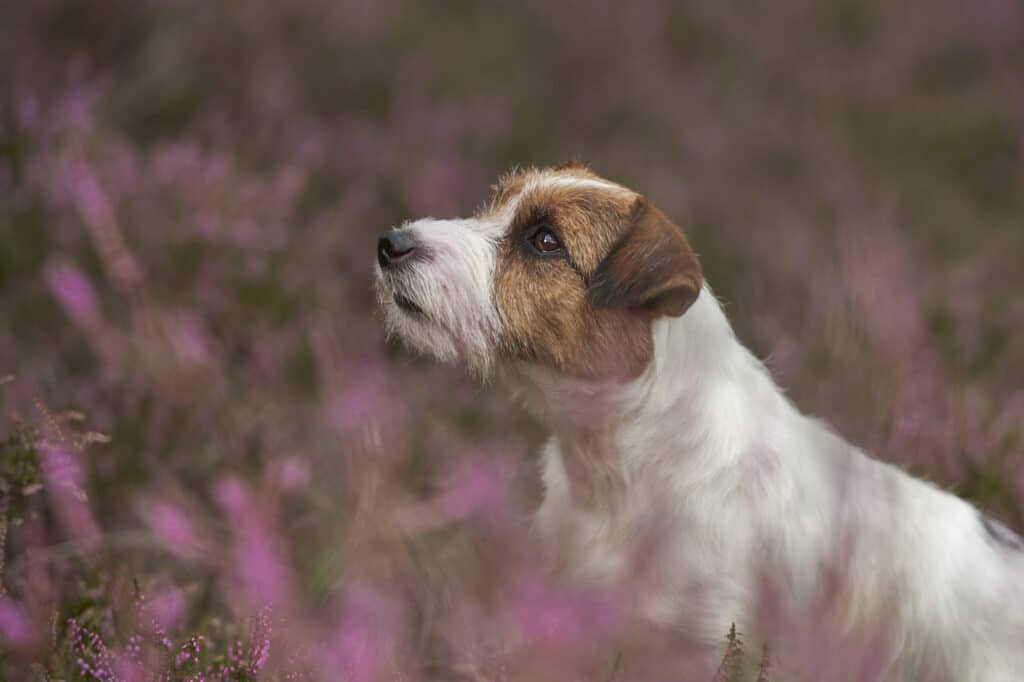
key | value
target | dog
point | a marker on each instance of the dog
(591, 302)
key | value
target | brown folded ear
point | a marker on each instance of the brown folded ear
(651, 268)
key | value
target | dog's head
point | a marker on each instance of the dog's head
(561, 269)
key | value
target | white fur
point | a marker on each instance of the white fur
(743, 491)
(453, 285)
(573, 181)
(748, 493)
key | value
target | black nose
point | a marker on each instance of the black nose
(394, 246)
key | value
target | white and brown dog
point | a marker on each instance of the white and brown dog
(593, 302)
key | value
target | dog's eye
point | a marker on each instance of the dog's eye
(544, 241)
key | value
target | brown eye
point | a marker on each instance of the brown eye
(544, 241)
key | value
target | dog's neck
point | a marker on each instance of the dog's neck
(693, 403)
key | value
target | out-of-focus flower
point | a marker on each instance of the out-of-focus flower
(97, 212)
(167, 609)
(361, 401)
(64, 485)
(16, 627)
(561, 615)
(189, 339)
(127, 670)
(291, 474)
(232, 497)
(363, 644)
(478, 485)
(172, 526)
(73, 290)
(259, 565)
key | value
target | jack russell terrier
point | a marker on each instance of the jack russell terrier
(592, 303)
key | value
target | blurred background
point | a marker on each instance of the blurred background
(200, 416)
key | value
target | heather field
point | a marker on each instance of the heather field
(213, 467)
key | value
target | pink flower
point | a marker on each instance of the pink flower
(189, 338)
(167, 609)
(16, 628)
(260, 567)
(90, 199)
(64, 479)
(362, 401)
(560, 615)
(172, 527)
(232, 497)
(363, 645)
(73, 290)
(292, 474)
(128, 670)
(477, 485)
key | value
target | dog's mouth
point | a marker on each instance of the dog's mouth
(408, 305)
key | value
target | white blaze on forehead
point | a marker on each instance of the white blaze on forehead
(496, 224)
(555, 180)
(493, 226)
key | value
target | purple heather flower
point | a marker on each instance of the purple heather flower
(172, 527)
(73, 290)
(16, 628)
(64, 478)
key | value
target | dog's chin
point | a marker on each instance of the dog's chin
(410, 323)
(434, 332)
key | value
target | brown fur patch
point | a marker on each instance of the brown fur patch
(546, 304)
(651, 268)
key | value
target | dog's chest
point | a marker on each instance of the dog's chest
(674, 554)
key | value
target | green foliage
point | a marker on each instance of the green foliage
(20, 474)
(731, 668)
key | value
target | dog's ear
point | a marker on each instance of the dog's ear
(651, 268)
